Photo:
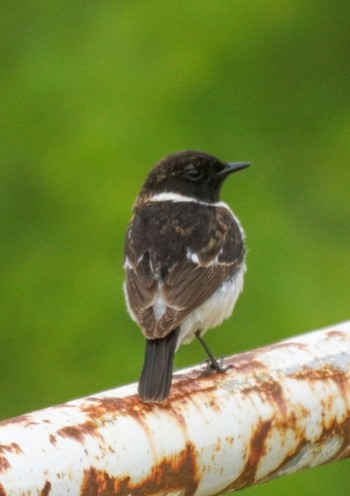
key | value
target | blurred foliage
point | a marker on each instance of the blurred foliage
(92, 94)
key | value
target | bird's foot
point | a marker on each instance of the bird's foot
(214, 365)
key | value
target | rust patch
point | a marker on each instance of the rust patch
(345, 431)
(98, 483)
(98, 407)
(8, 448)
(245, 357)
(79, 431)
(336, 334)
(26, 420)
(46, 489)
(183, 387)
(2, 491)
(130, 406)
(53, 439)
(246, 364)
(283, 345)
(342, 430)
(230, 440)
(272, 391)
(325, 372)
(274, 473)
(257, 445)
(251, 356)
(256, 452)
(178, 473)
(4, 464)
(179, 417)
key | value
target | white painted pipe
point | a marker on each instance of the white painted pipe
(279, 409)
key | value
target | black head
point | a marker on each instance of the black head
(189, 173)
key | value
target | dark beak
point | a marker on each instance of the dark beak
(232, 167)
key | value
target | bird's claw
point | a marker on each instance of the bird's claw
(213, 365)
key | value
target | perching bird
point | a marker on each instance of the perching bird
(184, 261)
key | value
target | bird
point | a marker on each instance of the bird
(184, 262)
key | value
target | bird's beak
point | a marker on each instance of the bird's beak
(232, 167)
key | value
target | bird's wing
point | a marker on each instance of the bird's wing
(183, 296)
(141, 289)
(161, 299)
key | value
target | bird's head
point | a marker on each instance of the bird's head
(189, 173)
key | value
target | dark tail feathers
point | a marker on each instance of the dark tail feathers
(156, 375)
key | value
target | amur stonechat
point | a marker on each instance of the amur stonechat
(184, 261)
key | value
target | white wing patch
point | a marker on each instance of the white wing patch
(192, 256)
(127, 264)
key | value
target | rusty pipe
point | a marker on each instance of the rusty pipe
(279, 409)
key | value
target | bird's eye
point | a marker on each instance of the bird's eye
(194, 174)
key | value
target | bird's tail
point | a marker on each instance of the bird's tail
(156, 375)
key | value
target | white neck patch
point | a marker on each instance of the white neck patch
(177, 197)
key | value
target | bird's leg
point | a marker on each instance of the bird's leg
(213, 364)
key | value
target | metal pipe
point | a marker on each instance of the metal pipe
(279, 409)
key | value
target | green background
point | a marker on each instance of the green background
(92, 94)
